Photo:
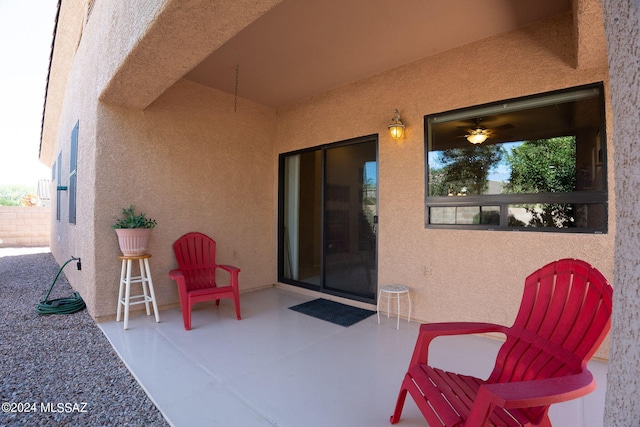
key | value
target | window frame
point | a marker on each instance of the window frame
(503, 201)
(73, 172)
(59, 188)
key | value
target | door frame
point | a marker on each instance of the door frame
(281, 218)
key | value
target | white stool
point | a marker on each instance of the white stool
(394, 291)
(124, 294)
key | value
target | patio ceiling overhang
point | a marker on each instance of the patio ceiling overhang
(179, 37)
(289, 50)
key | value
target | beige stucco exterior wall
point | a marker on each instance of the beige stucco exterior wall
(474, 275)
(70, 100)
(622, 22)
(66, 41)
(188, 160)
(193, 164)
(153, 44)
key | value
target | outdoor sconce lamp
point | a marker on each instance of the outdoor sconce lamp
(396, 128)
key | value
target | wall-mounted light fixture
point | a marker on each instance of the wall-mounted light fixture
(396, 128)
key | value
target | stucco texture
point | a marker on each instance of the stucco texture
(193, 164)
(622, 20)
(188, 160)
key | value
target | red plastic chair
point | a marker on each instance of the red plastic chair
(196, 274)
(564, 317)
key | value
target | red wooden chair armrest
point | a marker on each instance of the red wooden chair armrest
(429, 331)
(526, 394)
(176, 274)
(179, 278)
(459, 328)
(233, 272)
(229, 268)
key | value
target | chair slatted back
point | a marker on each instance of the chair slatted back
(564, 316)
(196, 256)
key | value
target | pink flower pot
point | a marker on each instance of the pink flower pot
(133, 241)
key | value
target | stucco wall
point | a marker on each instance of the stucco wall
(193, 164)
(188, 160)
(24, 226)
(74, 93)
(67, 36)
(474, 275)
(622, 20)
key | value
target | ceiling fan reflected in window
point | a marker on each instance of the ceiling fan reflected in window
(480, 134)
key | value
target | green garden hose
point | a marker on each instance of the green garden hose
(67, 305)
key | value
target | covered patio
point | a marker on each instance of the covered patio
(202, 112)
(280, 367)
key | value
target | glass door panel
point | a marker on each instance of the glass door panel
(302, 245)
(350, 203)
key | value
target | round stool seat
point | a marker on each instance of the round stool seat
(133, 257)
(394, 291)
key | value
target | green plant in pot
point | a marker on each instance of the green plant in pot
(133, 230)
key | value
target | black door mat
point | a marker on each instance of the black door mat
(334, 312)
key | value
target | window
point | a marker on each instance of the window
(73, 174)
(59, 188)
(536, 163)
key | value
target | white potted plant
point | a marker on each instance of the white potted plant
(133, 231)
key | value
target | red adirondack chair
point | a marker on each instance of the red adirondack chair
(564, 316)
(196, 274)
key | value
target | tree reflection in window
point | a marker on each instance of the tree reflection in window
(465, 171)
(544, 166)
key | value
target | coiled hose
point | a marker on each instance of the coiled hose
(67, 305)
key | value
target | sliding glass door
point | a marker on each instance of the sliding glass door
(301, 230)
(328, 215)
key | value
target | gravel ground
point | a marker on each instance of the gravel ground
(59, 370)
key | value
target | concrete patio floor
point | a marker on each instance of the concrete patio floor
(277, 367)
